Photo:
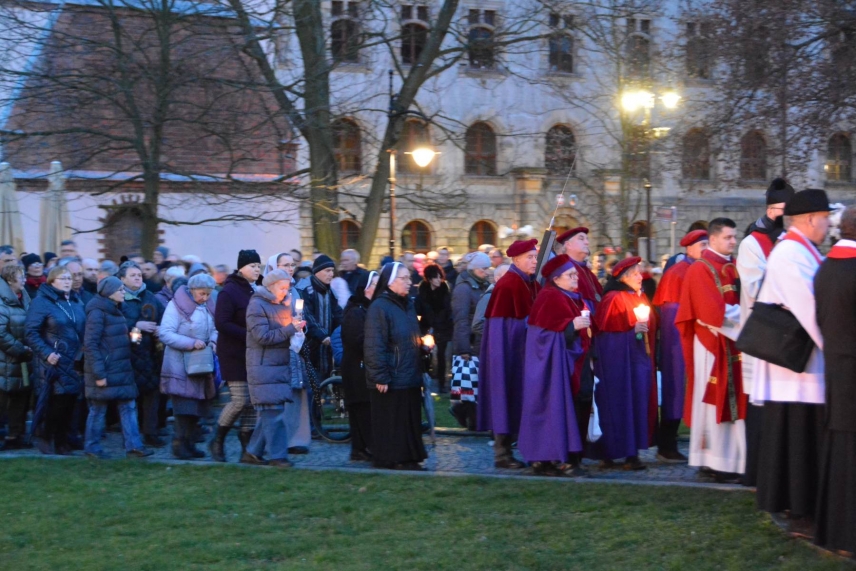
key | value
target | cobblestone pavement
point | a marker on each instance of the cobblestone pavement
(454, 453)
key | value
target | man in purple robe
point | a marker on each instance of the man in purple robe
(503, 350)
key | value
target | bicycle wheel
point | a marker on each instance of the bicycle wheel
(329, 414)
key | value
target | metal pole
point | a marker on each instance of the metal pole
(648, 218)
(674, 225)
(392, 203)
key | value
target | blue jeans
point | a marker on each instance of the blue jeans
(270, 432)
(95, 425)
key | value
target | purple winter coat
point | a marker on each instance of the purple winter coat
(230, 318)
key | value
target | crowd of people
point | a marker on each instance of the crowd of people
(564, 356)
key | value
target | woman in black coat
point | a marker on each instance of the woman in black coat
(393, 360)
(230, 318)
(357, 395)
(108, 373)
(434, 306)
(54, 331)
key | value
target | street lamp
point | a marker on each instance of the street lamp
(422, 156)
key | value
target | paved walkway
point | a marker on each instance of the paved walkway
(453, 454)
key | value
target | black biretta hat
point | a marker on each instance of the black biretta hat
(779, 191)
(808, 201)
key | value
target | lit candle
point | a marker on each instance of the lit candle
(298, 307)
(642, 313)
(136, 336)
(428, 341)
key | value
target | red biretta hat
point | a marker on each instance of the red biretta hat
(521, 247)
(571, 233)
(693, 237)
(557, 266)
(624, 265)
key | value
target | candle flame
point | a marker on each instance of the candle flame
(642, 313)
(428, 341)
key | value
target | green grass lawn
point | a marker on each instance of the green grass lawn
(80, 514)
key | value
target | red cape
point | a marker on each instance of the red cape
(589, 288)
(764, 241)
(669, 289)
(554, 311)
(702, 300)
(615, 315)
(512, 297)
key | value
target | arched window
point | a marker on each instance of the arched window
(346, 146)
(753, 156)
(696, 159)
(350, 233)
(482, 51)
(482, 232)
(480, 150)
(416, 237)
(345, 33)
(839, 158)
(638, 57)
(560, 151)
(413, 135)
(413, 39)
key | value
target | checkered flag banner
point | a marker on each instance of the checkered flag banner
(465, 379)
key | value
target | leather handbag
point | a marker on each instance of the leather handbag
(199, 362)
(773, 334)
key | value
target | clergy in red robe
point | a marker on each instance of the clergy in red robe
(503, 350)
(708, 320)
(557, 337)
(672, 373)
(575, 243)
(626, 395)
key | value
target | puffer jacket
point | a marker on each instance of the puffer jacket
(465, 298)
(13, 349)
(107, 348)
(392, 347)
(143, 306)
(183, 323)
(269, 332)
(55, 324)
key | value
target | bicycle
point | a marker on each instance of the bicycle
(329, 413)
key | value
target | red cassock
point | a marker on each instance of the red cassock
(554, 312)
(669, 288)
(615, 315)
(702, 299)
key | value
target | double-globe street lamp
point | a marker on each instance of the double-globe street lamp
(422, 156)
(636, 100)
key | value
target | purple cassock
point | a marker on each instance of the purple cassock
(625, 369)
(503, 348)
(548, 431)
(673, 383)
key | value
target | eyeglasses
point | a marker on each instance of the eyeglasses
(64, 279)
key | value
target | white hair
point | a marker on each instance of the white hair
(353, 253)
(172, 273)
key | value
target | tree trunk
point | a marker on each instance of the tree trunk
(149, 211)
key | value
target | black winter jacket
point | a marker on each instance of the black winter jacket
(353, 338)
(144, 357)
(317, 296)
(435, 307)
(392, 348)
(230, 318)
(13, 349)
(107, 347)
(55, 324)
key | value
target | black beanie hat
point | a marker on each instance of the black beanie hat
(31, 259)
(779, 191)
(246, 257)
(322, 262)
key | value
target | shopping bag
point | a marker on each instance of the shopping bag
(465, 379)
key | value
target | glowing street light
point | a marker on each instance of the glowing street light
(423, 156)
(670, 99)
(635, 100)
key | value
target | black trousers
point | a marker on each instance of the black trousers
(360, 421)
(440, 373)
(754, 424)
(148, 404)
(667, 435)
(15, 405)
(59, 418)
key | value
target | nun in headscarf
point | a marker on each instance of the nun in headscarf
(357, 395)
(392, 353)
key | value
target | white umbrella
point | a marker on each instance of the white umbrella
(11, 231)
(53, 213)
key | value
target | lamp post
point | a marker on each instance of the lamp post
(631, 102)
(422, 156)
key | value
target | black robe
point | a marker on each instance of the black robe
(835, 292)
